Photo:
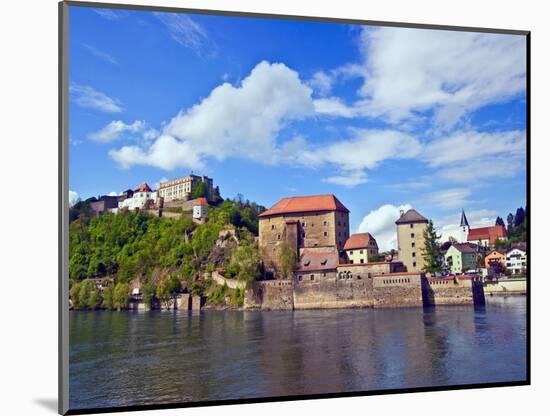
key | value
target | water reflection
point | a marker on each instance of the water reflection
(129, 358)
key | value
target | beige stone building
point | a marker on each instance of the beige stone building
(181, 188)
(410, 239)
(302, 222)
(360, 247)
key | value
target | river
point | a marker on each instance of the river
(139, 358)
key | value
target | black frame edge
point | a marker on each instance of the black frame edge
(63, 209)
(166, 9)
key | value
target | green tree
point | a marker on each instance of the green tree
(287, 260)
(109, 297)
(148, 290)
(430, 251)
(199, 190)
(167, 288)
(247, 261)
(121, 296)
(85, 295)
(75, 295)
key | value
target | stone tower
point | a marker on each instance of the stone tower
(410, 239)
(464, 228)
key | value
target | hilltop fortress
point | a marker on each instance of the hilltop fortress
(335, 270)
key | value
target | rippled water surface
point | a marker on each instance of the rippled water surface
(137, 358)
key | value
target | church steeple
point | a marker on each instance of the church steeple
(464, 220)
(464, 228)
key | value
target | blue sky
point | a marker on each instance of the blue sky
(384, 118)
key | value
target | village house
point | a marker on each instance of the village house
(200, 210)
(360, 248)
(302, 222)
(516, 261)
(496, 259)
(141, 198)
(410, 239)
(461, 257)
(182, 188)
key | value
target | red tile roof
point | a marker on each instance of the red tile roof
(200, 201)
(143, 188)
(360, 240)
(466, 247)
(311, 260)
(312, 203)
(411, 216)
(487, 233)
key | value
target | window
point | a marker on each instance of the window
(412, 235)
(412, 225)
(311, 277)
(351, 262)
(360, 251)
(362, 260)
(325, 223)
(414, 263)
(413, 254)
(300, 278)
(339, 223)
(339, 234)
(303, 224)
(351, 252)
(278, 236)
(325, 234)
(412, 244)
(272, 226)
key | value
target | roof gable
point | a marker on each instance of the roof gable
(411, 216)
(311, 259)
(312, 203)
(143, 188)
(487, 233)
(359, 240)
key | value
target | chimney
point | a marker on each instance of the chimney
(401, 211)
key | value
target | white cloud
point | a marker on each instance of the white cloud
(101, 55)
(449, 226)
(87, 97)
(107, 14)
(73, 198)
(233, 121)
(468, 155)
(366, 149)
(452, 73)
(381, 224)
(321, 82)
(334, 106)
(348, 179)
(188, 33)
(115, 129)
(451, 198)
(113, 193)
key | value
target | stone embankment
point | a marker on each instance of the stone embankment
(390, 290)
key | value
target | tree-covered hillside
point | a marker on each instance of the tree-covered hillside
(136, 244)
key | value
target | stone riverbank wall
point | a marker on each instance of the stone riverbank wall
(453, 290)
(350, 289)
